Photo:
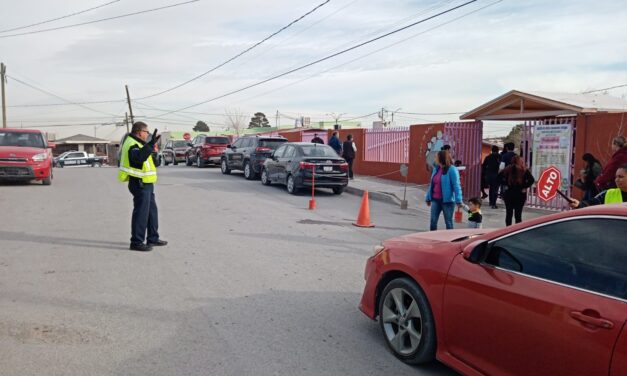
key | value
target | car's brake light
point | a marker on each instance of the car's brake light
(306, 165)
(344, 166)
(262, 149)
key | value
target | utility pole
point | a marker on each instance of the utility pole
(126, 121)
(3, 72)
(276, 120)
(130, 108)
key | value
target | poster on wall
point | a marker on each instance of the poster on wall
(552, 146)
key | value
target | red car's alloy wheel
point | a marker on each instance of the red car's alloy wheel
(407, 322)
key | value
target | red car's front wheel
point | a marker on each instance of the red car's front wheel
(407, 322)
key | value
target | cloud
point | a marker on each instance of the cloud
(532, 45)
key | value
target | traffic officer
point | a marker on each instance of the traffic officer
(138, 168)
(610, 196)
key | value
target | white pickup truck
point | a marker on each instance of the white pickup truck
(78, 158)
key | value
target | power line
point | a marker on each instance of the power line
(270, 48)
(57, 96)
(60, 18)
(325, 58)
(372, 53)
(430, 113)
(100, 20)
(67, 104)
(607, 88)
(238, 55)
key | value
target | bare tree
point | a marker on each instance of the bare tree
(235, 119)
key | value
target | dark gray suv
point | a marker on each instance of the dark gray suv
(248, 154)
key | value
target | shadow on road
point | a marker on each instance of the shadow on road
(57, 240)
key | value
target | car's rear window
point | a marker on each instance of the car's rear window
(179, 143)
(31, 140)
(317, 150)
(217, 140)
(271, 144)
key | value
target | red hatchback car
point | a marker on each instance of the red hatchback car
(25, 155)
(543, 297)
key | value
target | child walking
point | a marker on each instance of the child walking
(474, 212)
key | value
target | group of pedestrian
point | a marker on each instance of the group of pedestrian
(505, 173)
(346, 149)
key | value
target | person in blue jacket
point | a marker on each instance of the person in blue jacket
(335, 143)
(445, 190)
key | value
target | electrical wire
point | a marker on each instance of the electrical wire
(607, 88)
(325, 58)
(100, 20)
(66, 104)
(60, 18)
(370, 53)
(57, 96)
(238, 55)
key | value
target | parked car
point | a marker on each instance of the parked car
(205, 149)
(25, 155)
(174, 152)
(543, 297)
(55, 159)
(248, 154)
(294, 163)
(79, 158)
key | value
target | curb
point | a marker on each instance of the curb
(388, 198)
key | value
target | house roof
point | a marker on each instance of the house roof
(518, 105)
(81, 139)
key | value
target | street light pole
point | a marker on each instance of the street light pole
(3, 72)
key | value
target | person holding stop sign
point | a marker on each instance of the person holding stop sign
(609, 196)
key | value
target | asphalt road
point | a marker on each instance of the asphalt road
(252, 282)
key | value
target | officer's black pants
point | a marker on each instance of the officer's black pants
(145, 214)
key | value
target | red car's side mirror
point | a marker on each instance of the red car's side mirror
(475, 252)
(52, 145)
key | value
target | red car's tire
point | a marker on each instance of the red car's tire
(407, 322)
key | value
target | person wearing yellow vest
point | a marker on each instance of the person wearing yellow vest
(138, 169)
(609, 196)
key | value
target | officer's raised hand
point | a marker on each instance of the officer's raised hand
(155, 137)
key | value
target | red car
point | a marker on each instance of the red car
(205, 149)
(25, 155)
(543, 297)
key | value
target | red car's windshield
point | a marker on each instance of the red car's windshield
(217, 140)
(23, 139)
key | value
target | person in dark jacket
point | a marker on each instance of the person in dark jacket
(335, 143)
(349, 150)
(516, 179)
(138, 168)
(619, 158)
(316, 139)
(490, 171)
(588, 175)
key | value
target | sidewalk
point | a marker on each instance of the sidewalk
(391, 192)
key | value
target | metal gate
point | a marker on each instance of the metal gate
(526, 151)
(465, 139)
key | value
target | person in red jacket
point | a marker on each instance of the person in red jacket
(619, 158)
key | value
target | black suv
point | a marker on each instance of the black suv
(248, 154)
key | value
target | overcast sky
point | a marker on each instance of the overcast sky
(559, 45)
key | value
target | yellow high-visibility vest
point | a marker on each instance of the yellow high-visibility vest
(148, 173)
(613, 196)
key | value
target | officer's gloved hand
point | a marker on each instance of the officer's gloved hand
(155, 138)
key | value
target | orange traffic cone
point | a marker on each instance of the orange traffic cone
(363, 219)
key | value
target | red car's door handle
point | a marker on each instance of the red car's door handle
(586, 318)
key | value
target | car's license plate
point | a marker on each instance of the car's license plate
(328, 168)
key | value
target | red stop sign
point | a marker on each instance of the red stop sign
(187, 136)
(548, 183)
